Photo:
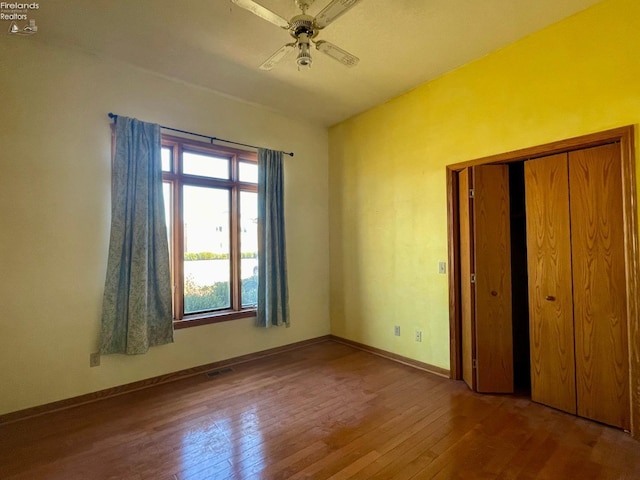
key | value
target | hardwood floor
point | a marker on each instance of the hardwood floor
(323, 411)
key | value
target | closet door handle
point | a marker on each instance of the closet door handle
(550, 298)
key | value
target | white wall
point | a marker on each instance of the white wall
(55, 208)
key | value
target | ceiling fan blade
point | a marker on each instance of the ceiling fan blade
(262, 12)
(337, 53)
(333, 11)
(276, 57)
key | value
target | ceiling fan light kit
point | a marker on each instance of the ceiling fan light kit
(304, 56)
(304, 29)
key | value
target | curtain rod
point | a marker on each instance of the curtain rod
(211, 139)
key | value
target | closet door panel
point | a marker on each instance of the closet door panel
(550, 283)
(492, 242)
(466, 292)
(485, 252)
(602, 372)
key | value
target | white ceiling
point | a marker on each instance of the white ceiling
(219, 46)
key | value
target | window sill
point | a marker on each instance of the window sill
(207, 318)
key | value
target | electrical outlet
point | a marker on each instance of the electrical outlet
(442, 267)
(94, 359)
(396, 330)
(418, 336)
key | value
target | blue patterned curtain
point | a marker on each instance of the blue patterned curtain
(136, 311)
(273, 293)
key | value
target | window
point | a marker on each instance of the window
(211, 204)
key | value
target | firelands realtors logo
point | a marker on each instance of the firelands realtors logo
(18, 15)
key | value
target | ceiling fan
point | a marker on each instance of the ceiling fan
(304, 29)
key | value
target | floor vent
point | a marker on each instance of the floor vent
(215, 373)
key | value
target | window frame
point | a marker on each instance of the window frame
(177, 180)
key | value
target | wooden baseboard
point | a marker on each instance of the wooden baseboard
(442, 372)
(150, 382)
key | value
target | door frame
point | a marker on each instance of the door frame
(625, 136)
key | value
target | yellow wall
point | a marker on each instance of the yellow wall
(55, 213)
(387, 166)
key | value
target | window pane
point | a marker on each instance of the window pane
(249, 248)
(168, 215)
(166, 159)
(205, 165)
(249, 172)
(207, 268)
(166, 192)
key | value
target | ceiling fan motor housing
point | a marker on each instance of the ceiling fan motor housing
(303, 24)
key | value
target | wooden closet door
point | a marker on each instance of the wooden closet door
(493, 321)
(467, 300)
(599, 290)
(550, 284)
(485, 252)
